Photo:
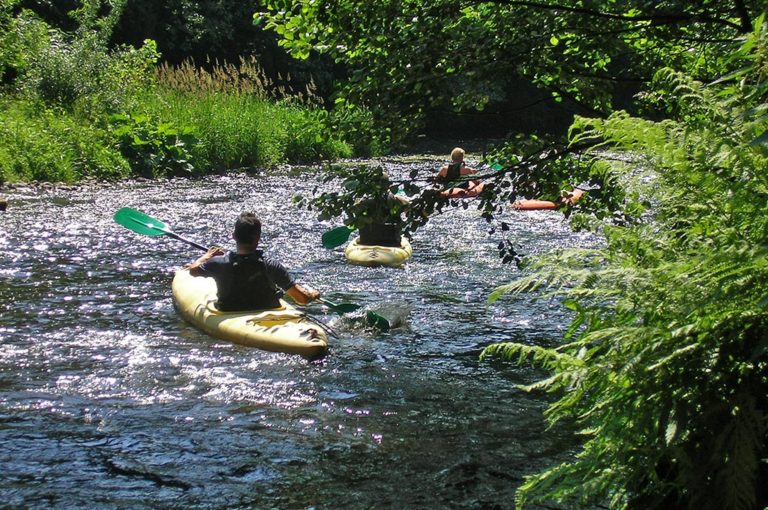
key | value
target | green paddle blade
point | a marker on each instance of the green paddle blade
(340, 308)
(336, 237)
(140, 222)
(377, 321)
(346, 307)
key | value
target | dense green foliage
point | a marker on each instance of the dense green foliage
(408, 58)
(665, 368)
(78, 108)
(47, 145)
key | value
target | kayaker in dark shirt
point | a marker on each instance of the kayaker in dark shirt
(455, 170)
(245, 279)
(379, 217)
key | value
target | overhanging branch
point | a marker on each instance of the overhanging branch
(656, 19)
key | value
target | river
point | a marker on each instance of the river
(109, 400)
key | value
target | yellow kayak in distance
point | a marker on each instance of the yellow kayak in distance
(374, 256)
(283, 329)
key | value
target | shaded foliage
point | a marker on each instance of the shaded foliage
(409, 58)
(665, 367)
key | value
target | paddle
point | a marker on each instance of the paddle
(340, 308)
(377, 321)
(336, 237)
(149, 226)
(371, 318)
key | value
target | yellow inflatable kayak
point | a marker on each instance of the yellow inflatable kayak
(283, 329)
(370, 255)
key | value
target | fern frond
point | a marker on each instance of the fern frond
(663, 368)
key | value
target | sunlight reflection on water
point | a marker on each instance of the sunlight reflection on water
(109, 400)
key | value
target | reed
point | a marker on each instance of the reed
(243, 118)
(247, 78)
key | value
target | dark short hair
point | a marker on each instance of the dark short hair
(247, 228)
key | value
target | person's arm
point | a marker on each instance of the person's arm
(302, 294)
(279, 275)
(466, 170)
(194, 267)
(441, 175)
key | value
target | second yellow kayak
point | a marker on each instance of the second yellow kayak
(371, 255)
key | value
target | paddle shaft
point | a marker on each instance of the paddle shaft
(185, 240)
(340, 308)
(165, 230)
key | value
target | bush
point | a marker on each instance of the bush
(154, 149)
(81, 75)
(665, 367)
(54, 146)
(358, 126)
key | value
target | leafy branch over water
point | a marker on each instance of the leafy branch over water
(665, 366)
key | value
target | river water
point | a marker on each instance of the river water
(109, 400)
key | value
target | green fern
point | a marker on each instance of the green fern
(665, 366)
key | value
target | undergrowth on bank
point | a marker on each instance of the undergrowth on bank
(41, 144)
(665, 366)
(77, 109)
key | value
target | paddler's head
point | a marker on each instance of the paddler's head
(457, 155)
(247, 231)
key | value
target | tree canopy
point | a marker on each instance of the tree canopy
(406, 58)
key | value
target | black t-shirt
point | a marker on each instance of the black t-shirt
(263, 293)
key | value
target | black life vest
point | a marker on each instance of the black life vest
(250, 286)
(454, 173)
(381, 234)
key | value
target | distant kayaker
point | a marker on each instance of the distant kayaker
(245, 278)
(455, 170)
(378, 218)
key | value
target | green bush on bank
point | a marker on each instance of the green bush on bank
(49, 145)
(77, 109)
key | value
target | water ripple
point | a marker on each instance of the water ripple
(109, 400)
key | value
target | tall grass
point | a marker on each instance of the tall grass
(52, 145)
(241, 117)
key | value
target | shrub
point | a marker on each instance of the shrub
(54, 146)
(80, 74)
(154, 149)
(665, 366)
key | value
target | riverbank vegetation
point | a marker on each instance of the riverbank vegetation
(665, 367)
(76, 108)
